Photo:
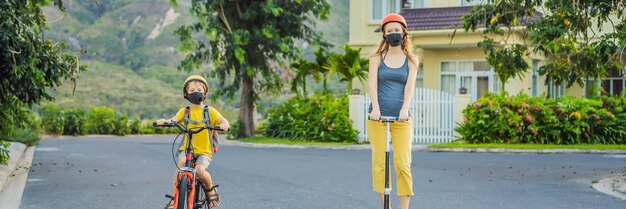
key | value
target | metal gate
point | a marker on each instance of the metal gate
(432, 112)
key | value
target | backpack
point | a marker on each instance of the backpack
(206, 120)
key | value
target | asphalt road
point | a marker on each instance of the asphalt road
(135, 172)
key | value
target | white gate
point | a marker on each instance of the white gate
(432, 112)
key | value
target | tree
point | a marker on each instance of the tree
(349, 65)
(30, 65)
(243, 38)
(568, 34)
(304, 68)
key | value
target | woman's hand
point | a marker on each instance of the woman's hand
(404, 114)
(375, 114)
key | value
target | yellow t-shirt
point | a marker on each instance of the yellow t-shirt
(200, 143)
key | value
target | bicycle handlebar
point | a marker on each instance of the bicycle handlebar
(183, 129)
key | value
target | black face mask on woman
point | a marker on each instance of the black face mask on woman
(394, 39)
(195, 97)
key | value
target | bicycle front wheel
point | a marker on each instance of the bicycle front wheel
(200, 199)
(182, 193)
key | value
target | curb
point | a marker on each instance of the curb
(11, 196)
(529, 151)
(415, 147)
(424, 147)
(16, 150)
(614, 186)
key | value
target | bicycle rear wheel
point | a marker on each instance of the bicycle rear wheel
(182, 193)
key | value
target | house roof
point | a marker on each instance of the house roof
(439, 18)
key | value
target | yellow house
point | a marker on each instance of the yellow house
(450, 64)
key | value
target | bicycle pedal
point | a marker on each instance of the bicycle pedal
(169, 196)
(198, 205)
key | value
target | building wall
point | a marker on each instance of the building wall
(361, 26)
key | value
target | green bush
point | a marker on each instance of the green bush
(234, 130)
(24, 135)
(52, 119)
(135, 125)
(75, 120)
(322, 118)
(122, 126)
(500, 118)
(146, 127)
(101, 120)
(4, 152)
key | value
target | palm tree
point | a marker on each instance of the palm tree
(303, 70)
(321, 60)
(349, 65)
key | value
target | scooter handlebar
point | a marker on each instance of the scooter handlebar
(386, 118)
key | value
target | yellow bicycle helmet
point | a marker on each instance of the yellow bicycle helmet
(195, 78)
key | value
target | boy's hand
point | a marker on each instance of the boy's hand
(161, 121)
(225, 126)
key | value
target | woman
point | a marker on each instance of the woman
(392, 73)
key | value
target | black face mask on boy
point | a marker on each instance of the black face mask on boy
(195, 97)
(394, 39)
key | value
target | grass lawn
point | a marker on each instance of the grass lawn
(533, 146)
(269, 140)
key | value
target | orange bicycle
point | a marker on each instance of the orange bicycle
(189, 190)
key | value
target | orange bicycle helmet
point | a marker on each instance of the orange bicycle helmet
(393, 17)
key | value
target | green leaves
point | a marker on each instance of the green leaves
(323, 118)
(349, 65)
(500, 118)
(564, 32)
(252, 39)
(29, 64)
(263, 32)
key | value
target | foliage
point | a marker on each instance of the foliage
(135, 125)
(500, 118)
(323, 118)
(246, 41)
(75, 121)
(304, 68)
(349, 65)
(569, 33)
(25, 136)
(101, 120)
(122, 126)
(4, 152)
(52, 119)
(29, 64)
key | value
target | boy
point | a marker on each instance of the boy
(195, 91)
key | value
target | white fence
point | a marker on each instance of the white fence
(432, 112)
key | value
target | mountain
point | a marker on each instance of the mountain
(132, 52)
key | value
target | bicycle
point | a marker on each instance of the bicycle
(186, 194)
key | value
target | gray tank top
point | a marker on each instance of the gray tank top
(391, 83)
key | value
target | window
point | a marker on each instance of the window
(615, 82)
(555, 91)
(416, 3)
(380, 8)
(470, 3)
(534, 80)
(476, 77)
